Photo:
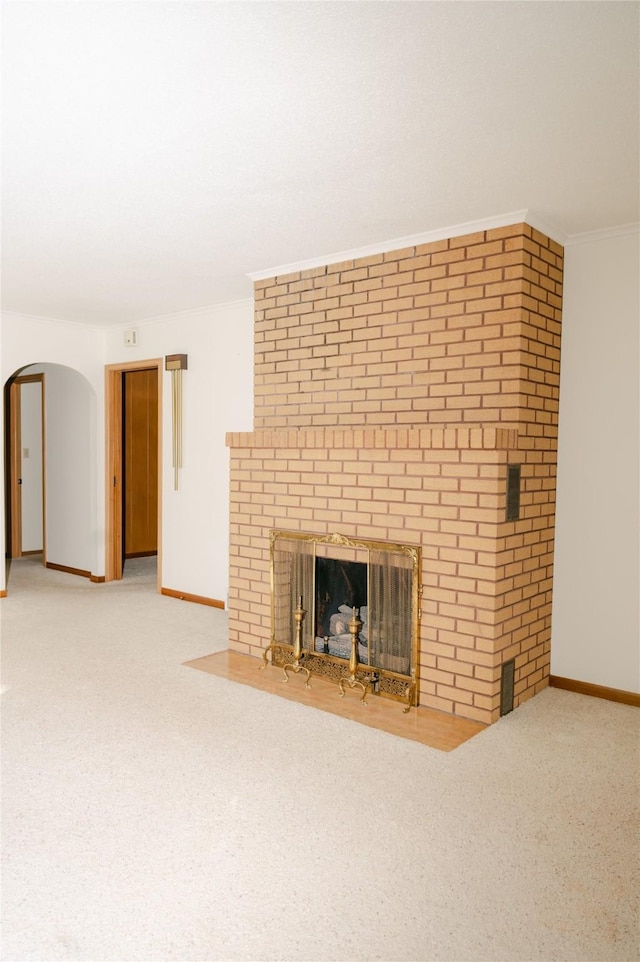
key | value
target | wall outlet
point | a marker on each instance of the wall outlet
(130, 338)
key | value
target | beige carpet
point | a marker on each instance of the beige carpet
(151, 812)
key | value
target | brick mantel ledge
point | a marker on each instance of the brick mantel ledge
(480, 439)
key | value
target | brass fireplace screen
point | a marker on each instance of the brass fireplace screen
(348, 610)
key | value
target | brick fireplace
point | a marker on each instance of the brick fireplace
(392, 394)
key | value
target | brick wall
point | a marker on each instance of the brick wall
(450, 332)
(391, 393)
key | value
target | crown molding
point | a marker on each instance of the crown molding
(107, 327)
(190, 314)
(43, 319)
(545, 227)
(415, 240)
(607, 233)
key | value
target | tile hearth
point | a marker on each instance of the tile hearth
(433, 728)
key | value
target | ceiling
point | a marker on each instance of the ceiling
(155, 154)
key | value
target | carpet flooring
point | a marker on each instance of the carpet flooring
(153, 813)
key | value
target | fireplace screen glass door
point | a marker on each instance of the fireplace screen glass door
(334, 578)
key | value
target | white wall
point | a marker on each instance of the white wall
(71, 481)
(596, 603)
(217, 397)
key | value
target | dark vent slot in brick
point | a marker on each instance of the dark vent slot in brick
(513, 492)
(507, 684)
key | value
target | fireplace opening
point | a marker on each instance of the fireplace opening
(334, 580)
(341, 588)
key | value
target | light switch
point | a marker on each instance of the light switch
(25, 452)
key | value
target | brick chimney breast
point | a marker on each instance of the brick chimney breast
(392, 392)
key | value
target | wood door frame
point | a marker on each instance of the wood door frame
(15, 499)
(15, 463)
(113, 464)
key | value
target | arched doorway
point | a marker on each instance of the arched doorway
(68, 469)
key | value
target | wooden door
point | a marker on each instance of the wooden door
(140, 462)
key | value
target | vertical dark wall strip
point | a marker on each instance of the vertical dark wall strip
(507, 685)
(513, 492)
